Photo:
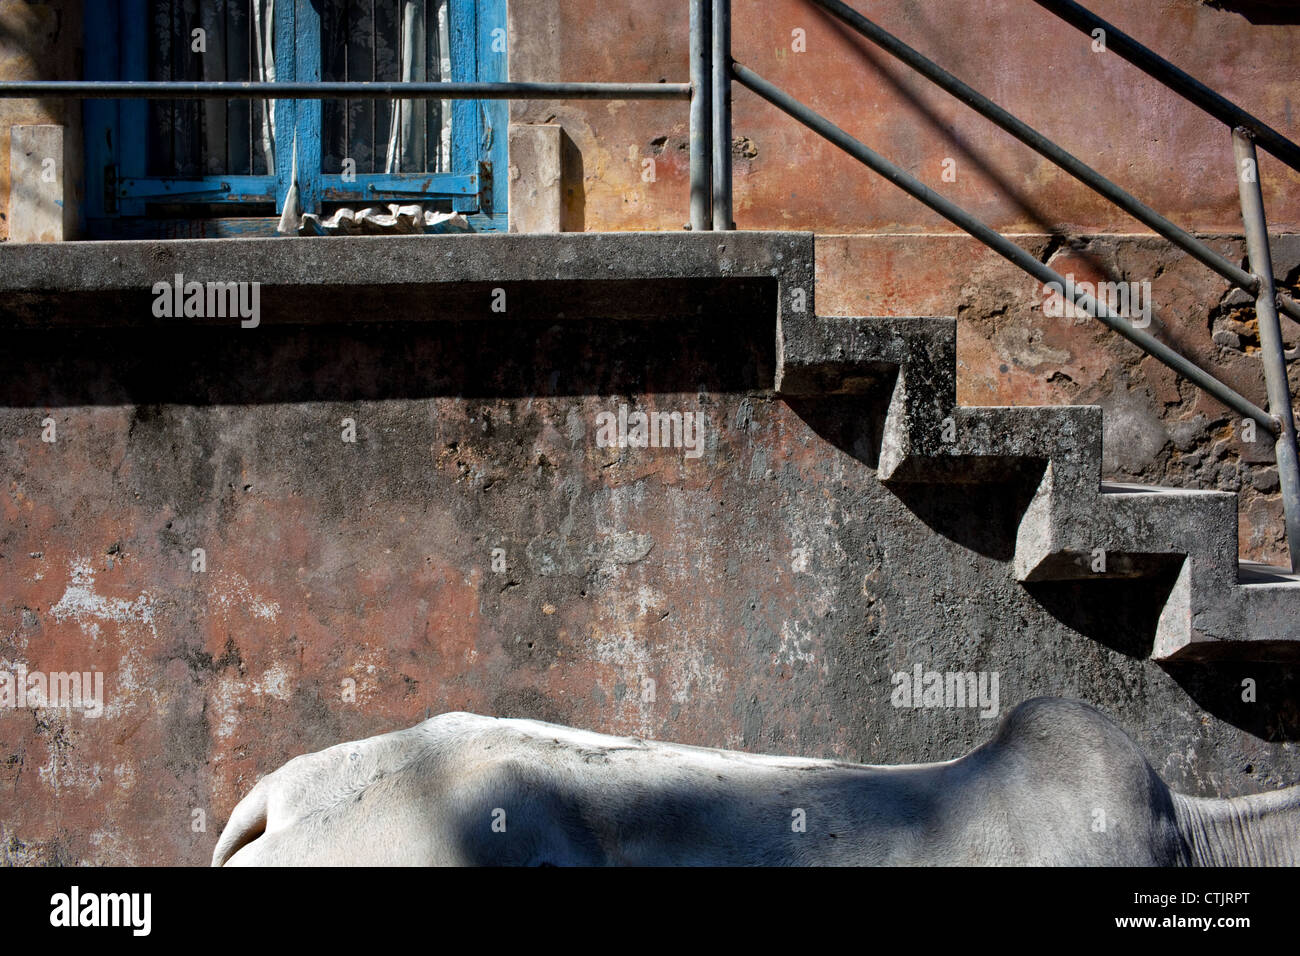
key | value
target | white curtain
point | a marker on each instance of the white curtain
(264, 27)
(408, 145)
(406, 134)
(409, 148)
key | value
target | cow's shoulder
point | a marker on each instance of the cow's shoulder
(1070, 744)
(1058, 719)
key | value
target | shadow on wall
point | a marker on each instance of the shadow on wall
(1259, 11)
(980, 516)
(980, 509)
(573, 180)
(873, 61)
(1222, 688)
(852, 423)
(1037, 217)
(616, 339)
(1121, 615)
(1116, 613)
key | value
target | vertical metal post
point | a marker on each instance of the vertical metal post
(722, 115)
(701, 118)
(1270, 334)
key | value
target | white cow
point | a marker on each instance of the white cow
(1058, 785)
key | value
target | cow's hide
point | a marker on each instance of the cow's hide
(1059, 784)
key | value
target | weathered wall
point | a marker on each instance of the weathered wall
(770, 588)
(1109, 113)
(373, 562)
(883, 253)
(328, 561)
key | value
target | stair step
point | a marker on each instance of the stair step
(1254, 574)
(1124, 530)
(1257, 619)
(987, 443)
(1075, 527)
(1132, 488)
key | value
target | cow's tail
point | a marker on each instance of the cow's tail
(247, 822)
(1258, 830)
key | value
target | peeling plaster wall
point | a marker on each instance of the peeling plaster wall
(769, 589)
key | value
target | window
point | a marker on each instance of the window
(223, 167)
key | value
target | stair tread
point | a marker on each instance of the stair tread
(1135, 488)
(1254, 573)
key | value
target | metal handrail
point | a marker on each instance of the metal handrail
(701, 122)
(1246, 131)
(1272, 350)
(1279, 421)
(337, 90)
(721, 54)
(996, 241)
(1047, 148)
(1185, 85)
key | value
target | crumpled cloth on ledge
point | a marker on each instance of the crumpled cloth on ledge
(390, 220)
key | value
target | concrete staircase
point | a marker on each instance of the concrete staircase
(1076, 526)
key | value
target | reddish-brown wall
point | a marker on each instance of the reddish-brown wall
(1104, 110)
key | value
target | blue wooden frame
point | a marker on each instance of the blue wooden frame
(118, 188)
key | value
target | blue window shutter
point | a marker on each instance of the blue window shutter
(118, 183)
(466, 121)
(307, 122)
(134, 114)
(494, 66)
(286, 111)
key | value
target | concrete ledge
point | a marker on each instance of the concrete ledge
(111, 283)
(406, 260)
(835, 355)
